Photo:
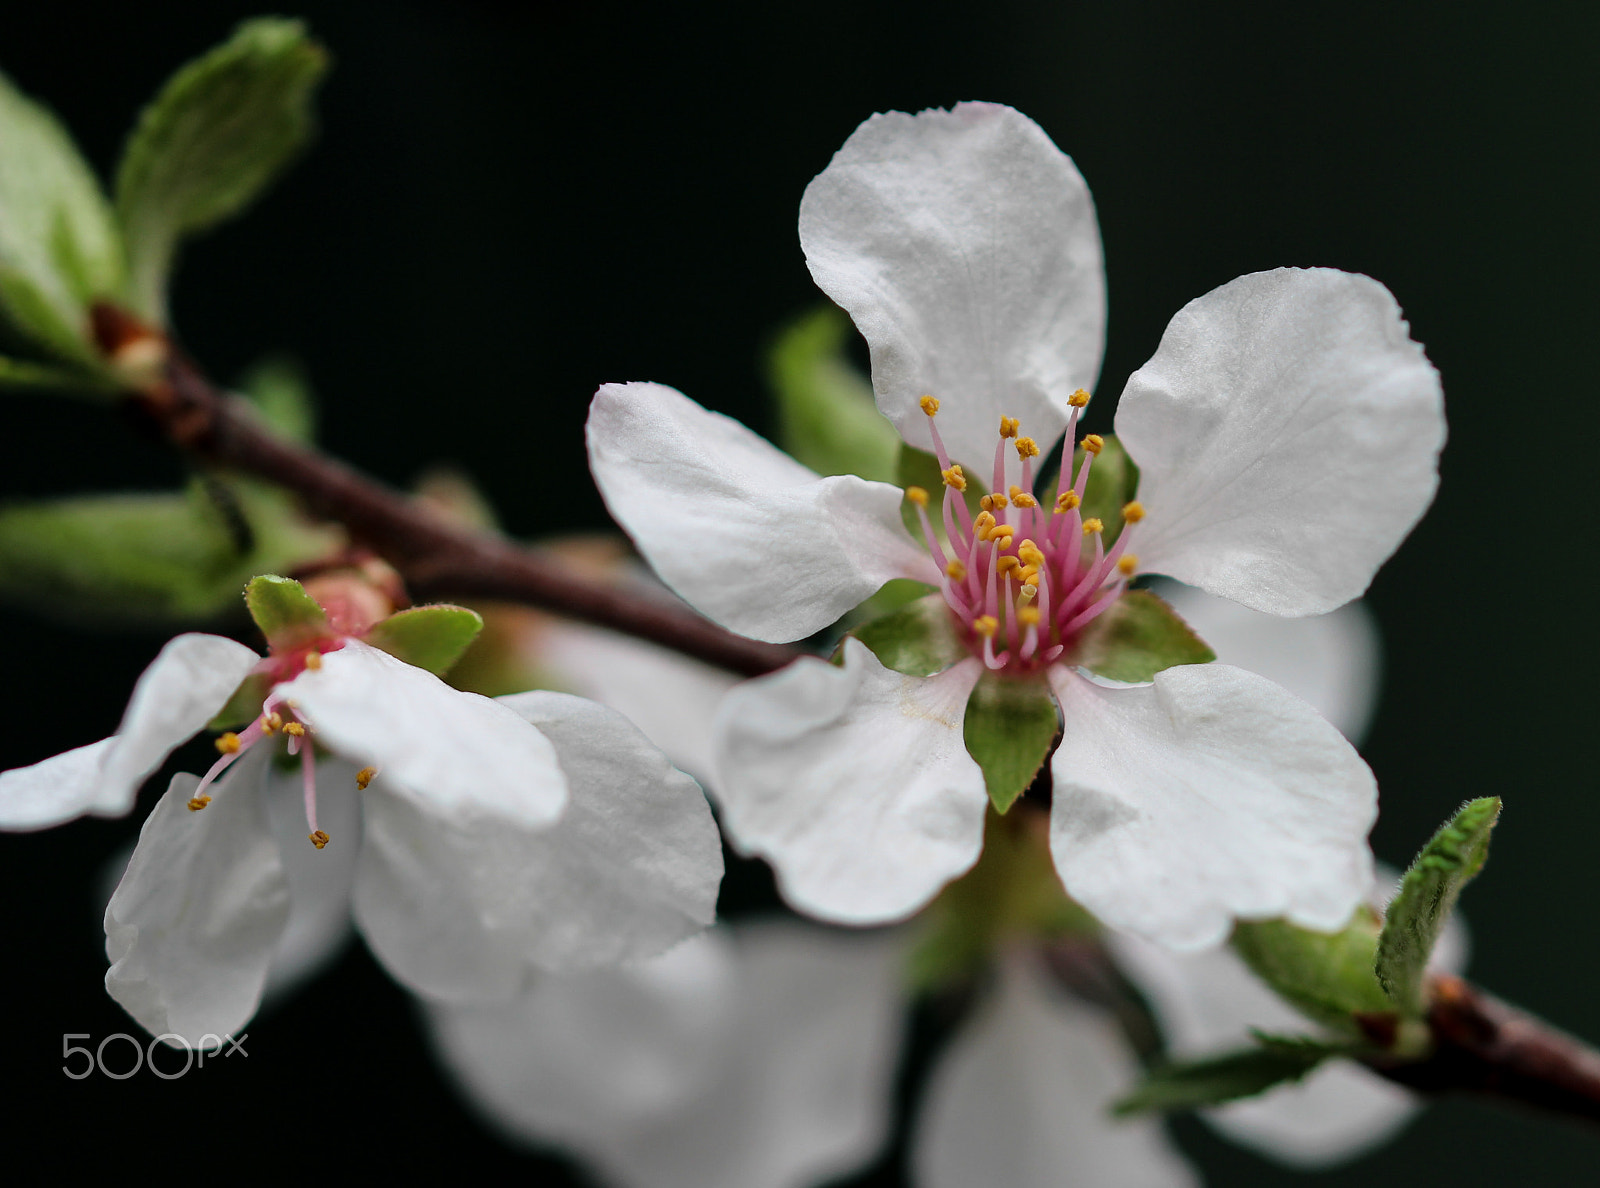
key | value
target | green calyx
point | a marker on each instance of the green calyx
(1137, 637)
(1010, 728)
(285, 613)
(429, 637)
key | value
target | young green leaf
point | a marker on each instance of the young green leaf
(220, 130)
(1136, 638)
(1009, 727)
(286, 614)
(1234, 1075)
(59, 247)
(826, 415)
(1325, 976)
(429, 637)
(1427, 896)
(278, 389)
(919, 639)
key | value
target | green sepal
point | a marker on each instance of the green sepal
(1427, 896)
(919, 639)
(918, 468)
(1009, 728)
(1135, 638)
(428, 637)
(278, 389)
(244, 705)
(1326, 976)
(210, 142)
(1189, 1085)
(169, 559)
(59, 246)
(826, 415)
(286, 614)
(1012, 895)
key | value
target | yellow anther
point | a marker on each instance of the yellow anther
(1133, 512)
(1028, 616)
(956, 570)
(954, 478)
(364, 777)
(1092, 525)
(294, 729)
(982, 524)
(198, 802)
(271, 723)
(1092, 443)
(992, 502)
(1008, 426)
(313, 660)
(1021, 498)
(1030, 553)
(929, 405)
(1002, 533)
(1027, 448)
(1078, 399)
(1029, 575)
(318, 839)
(986, 625)
(228, 743)
(917, 495)
(1066, 501)
(1127, 563)
(1006, 564)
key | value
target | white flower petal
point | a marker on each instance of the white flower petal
(1209, 795)
(667, 695)
(1287, 432)
(455, 753)
(964, 245)
(1022, 1096)
(735, 526)
(319, 880)
(191, 929)
(54, 790)
(459, 907)
(853, 781)
(1333, 661)
(766, 1062)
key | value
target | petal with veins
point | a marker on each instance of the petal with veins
(964, 244)
(853, 781)
(736, 527)
(1209, 795)
(1022, 1099)
(760, 1059)
(458, 755)
(1287, 433)
(191, 929)
(461, 906)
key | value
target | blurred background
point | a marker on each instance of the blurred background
(509, 205)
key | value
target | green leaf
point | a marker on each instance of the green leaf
(1008, 729)
(1325, 976)
(286, 614)
(278, 389)
(1427, 896)
(430, 637)
(918, 639)
(21, 375)
(1229, 1077)
(826, 415)
(218, 133)
(59, 247)
(168, 559)
(1137, 637)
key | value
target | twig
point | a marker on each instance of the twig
(436, 558)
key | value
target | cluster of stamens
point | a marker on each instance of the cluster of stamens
(1024, 580)
(277, 719)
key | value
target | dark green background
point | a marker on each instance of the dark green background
(509, 206)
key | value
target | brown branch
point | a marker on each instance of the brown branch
(1485, 1046)
(436, 558)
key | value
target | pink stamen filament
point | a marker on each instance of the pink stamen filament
(308, 782)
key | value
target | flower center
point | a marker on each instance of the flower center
(1023, 580)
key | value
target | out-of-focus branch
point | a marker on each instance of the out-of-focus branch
(1485, 1046)
(436, 558)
